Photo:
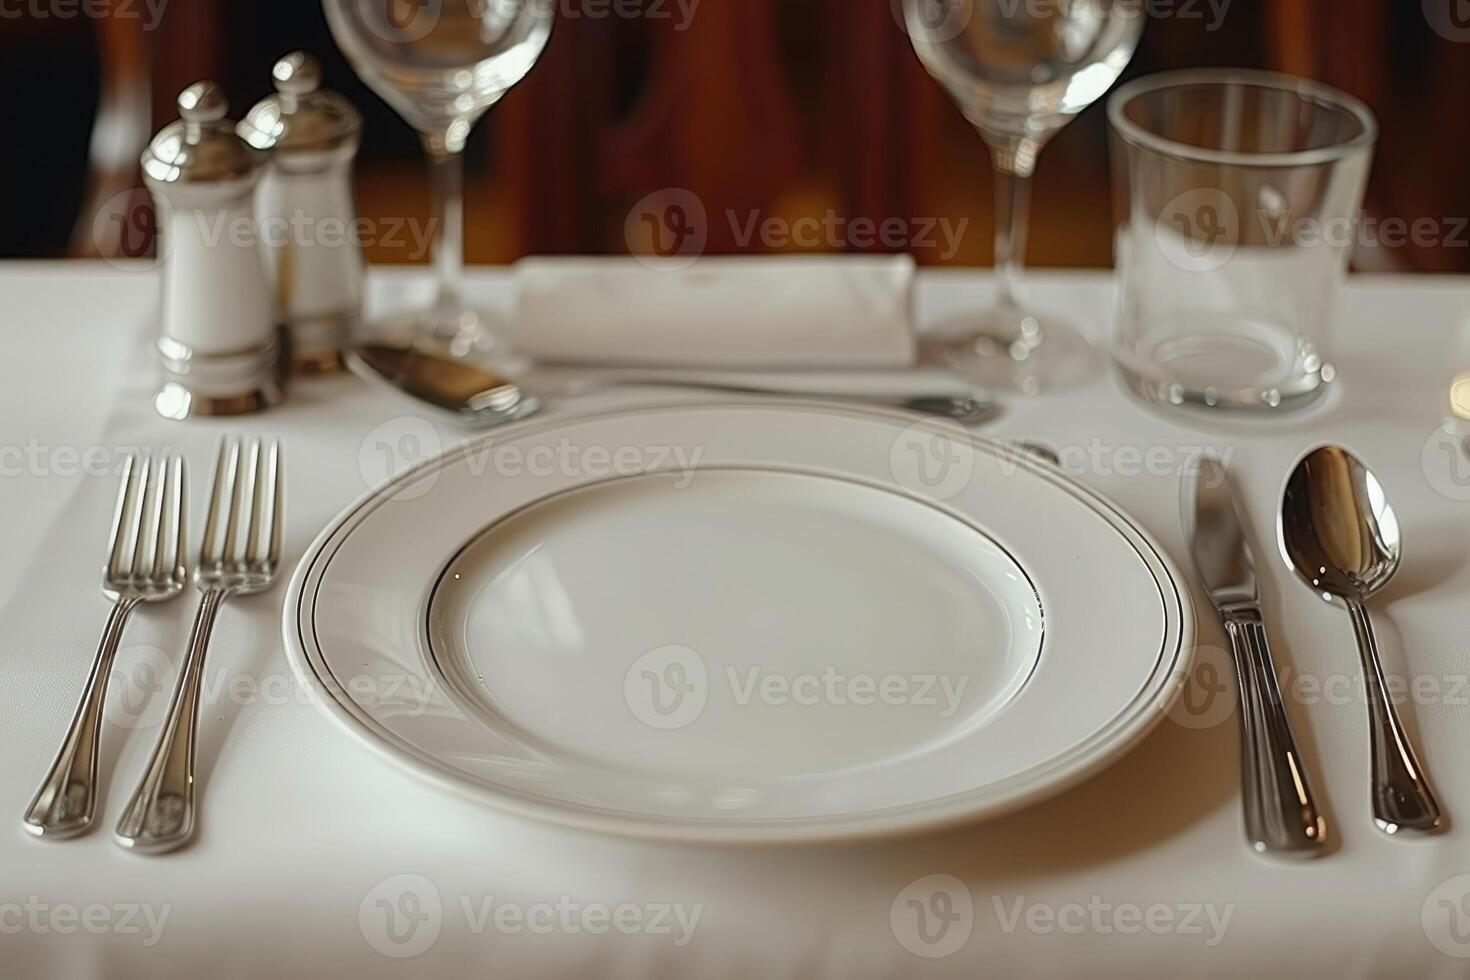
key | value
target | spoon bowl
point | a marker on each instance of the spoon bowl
(456, 389)
(1338, 530)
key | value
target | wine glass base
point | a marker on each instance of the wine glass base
(1016, 351)
(460, 332)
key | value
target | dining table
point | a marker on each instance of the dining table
(317, 857)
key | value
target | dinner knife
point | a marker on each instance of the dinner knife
(1280, 814)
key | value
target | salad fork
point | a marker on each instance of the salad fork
(246, 497)
(144, 564)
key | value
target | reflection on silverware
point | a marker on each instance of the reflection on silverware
(466, 394)
(240, 558)
(1040, 450)
(144, 564)
(1280, 815)
(476, 397)
(1339, 533)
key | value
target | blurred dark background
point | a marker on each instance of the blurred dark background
(785, 107)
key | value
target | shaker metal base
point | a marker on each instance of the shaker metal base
(234, 383)
(315, 343)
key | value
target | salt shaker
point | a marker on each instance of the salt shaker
(220, 347)
(305, 207)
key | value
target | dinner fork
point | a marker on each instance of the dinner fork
(246, 496)
(144, 564)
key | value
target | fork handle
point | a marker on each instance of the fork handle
(160, 816)
(67, 799)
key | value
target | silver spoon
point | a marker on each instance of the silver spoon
(1339, 533)
(475, 397)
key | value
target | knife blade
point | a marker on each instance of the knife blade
(1222, 554)
(1281, 816)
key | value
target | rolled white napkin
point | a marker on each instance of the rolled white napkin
(848, 311)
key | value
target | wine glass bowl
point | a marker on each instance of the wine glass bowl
(1019, 70)
(1024, 77)
(441, 64)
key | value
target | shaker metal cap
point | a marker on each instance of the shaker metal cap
(200, 147)
(300, 117)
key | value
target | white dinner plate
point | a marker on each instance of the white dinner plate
(750, 622)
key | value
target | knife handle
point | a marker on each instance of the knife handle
(1280, 815)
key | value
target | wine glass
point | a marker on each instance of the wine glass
(441, 64)
(1020, 70)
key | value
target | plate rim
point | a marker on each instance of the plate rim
(1119, 736)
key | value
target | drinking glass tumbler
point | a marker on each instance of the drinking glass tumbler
(1236, 198)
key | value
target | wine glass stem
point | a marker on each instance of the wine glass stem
(447, 169)
(1012, 216)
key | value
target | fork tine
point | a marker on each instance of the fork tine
(258, 502)
(137, 509)
(277, 503)
(178, 535)
(241, 489)
(163, 541)
(119, 517)
(150, 514)
(218, 491)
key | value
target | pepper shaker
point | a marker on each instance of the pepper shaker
(219, 345)
(305, 207)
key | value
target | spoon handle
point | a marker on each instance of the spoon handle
(954, 405)
(1402, 799)
(1281, 816)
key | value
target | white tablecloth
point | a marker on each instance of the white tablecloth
(316, 857)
